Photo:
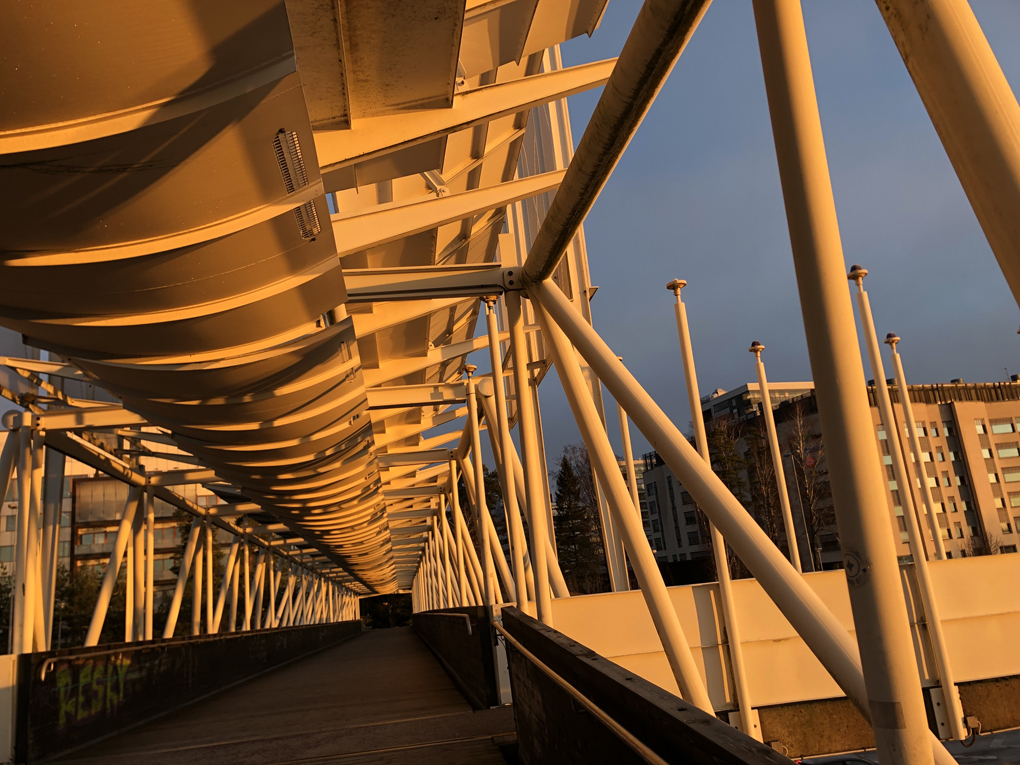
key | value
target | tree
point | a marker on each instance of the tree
(764, 490)
(578, 534)
(807, 452)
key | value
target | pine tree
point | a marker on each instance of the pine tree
(577, 531)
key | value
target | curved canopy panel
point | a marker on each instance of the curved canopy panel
(264, 226)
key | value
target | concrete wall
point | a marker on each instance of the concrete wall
(69, 698)
(979, 601)
(463, 641)
(553, 726)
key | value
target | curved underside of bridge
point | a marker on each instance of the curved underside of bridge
(224, 213)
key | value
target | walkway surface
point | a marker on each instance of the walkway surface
(379, 698)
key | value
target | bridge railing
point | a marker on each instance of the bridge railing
(572, 705)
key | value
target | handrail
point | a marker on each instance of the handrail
(626, 736)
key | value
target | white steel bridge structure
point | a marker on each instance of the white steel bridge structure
(274, 232)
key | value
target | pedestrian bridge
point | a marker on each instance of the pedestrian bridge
(248, 250)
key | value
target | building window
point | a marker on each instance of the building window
(886, 459)
(945, 480)
(958, 528)
(954, 456)
(1011, 474)
(690, 519)
(1002, 426)
(986, 453)
(1007, 451)
(1000, 502)
(7, 554)
(11, 523)
(1007, 548)
(979, 426)
(881, 433)
(893, 486)
(693, 538)
(934, 430)
(921, 429)
(939, 456)
(947, 427)
(63, 549)
(993, 478)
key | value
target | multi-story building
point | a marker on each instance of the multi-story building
(970, 448)
(91, 507)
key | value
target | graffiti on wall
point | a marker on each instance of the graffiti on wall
(90, 688)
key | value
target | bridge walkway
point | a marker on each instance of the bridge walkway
(378, 698)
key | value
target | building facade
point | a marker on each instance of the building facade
(970, 449)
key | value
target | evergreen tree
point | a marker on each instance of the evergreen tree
(578, 536)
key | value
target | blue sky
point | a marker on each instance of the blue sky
(697, 196)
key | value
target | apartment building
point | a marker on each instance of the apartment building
(91, 506)
(970, 449)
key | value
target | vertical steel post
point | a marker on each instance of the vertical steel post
(209, 572)
(915, 444)
(35, 535)
(197, 584)
(777, 456)
(459, 535)
(530, 452)
(150, 560)
(139, 571)
(628, 459)
(234, 588)
(731, 621)
(447, 568)
(928, 597)
(481, 510)
(246, 562)
(883, 634)
(53, 499)
(22, 631)
(499, 430)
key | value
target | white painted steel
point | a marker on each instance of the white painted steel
(671, 633)
(731, 621)
(892, 434)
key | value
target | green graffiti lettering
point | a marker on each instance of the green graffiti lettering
(68, 701)
(98, 689)
(84, 680)
(122, 667)
(112, 699)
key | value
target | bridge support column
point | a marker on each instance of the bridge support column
(499, 430)
(893, 688)
(527, 428)
(973, 109)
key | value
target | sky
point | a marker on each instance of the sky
(697, 196)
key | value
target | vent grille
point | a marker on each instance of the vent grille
(292, 164)
(307, 220)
